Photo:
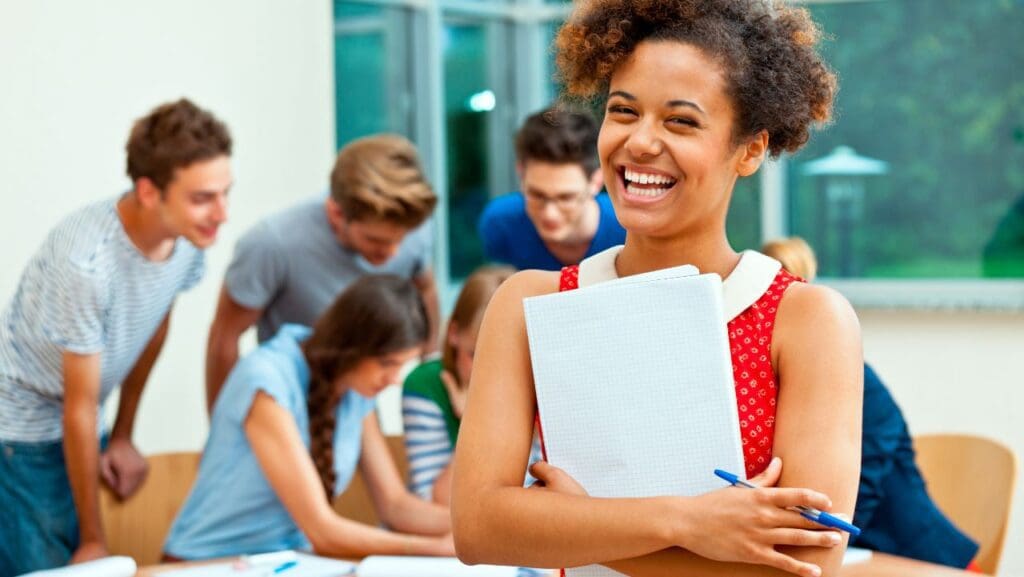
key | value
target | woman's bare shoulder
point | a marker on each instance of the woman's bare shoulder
(528, 283)
(810, 307)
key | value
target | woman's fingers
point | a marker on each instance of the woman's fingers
(770, 476)
(556, 479)
(784, 498)
(805, 538)
(790, 565)
(792, 520)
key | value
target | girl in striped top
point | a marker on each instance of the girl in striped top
(434, 394)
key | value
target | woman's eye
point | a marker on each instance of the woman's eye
(614, 109)
(683, 122)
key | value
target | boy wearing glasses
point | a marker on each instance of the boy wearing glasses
(558, 218)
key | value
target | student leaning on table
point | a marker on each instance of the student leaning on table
(91, 314)
(294, 420)
(698, 93)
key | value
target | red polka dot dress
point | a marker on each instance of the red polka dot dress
(750, 342)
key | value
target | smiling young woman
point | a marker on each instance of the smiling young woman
(697, 94)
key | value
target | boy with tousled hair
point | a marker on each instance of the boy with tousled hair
(558, 218)
(290, 267)
(90, 314)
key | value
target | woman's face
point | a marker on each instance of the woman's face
(371, 375)
(666, 145)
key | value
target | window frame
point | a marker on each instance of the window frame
(526, 79)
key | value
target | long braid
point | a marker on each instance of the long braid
(375, 315)
(321, 405)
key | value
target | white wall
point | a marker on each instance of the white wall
(956, 372)
(73, 77)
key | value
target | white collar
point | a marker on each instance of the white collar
(746, 284)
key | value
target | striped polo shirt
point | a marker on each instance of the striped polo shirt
(86, 290)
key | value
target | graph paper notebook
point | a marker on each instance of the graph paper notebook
(634, 386)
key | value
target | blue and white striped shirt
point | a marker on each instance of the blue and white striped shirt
(429, 448)
(87, 290)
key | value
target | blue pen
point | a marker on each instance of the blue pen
(285, 566)
(819, 517)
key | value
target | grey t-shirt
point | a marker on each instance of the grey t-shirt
(292, 266)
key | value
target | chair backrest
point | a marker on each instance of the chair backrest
(355, 503)
(971, 479)
(138, 526)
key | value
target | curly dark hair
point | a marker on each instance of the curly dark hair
(172, 136)
(776, 79)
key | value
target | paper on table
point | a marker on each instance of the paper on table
(106, 567)
(634, 386)
(389, 566)
(307, 566)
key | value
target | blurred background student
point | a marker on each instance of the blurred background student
(294, 420)
(434, 394)
(893, 510)
(559, 216)
(371, 223)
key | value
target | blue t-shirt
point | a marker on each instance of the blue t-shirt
(232, 509)
(509, 235)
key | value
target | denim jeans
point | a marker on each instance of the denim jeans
(38, 523)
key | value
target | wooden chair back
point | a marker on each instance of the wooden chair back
(138, 526)
(355, 503)
(971, 479)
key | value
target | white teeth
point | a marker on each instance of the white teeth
(647, 178)
(648, 192)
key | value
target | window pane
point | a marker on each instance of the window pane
(471, 99)
(933, 89)
(743, 224)
(371, 83)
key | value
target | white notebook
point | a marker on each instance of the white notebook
(105, 567)
(392, 566)
(634, 386)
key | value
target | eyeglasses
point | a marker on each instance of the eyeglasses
(563, 202)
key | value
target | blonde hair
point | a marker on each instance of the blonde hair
(795, 255)
(380, 178)
(470, 306)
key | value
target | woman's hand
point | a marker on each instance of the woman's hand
(456, 393)
(554, 479)
(745, 525)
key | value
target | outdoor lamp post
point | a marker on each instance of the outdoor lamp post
(844, 171)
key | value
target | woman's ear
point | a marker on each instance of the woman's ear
(753, 154)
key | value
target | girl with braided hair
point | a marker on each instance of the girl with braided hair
(294, 420)
(696, 93)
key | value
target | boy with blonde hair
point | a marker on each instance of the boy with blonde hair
(290, 267)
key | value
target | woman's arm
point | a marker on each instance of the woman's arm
(395, 505)
(496, 520)
(820, 365)
(817, 354)
(285, 461)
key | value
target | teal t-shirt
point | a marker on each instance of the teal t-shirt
(232, 510)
